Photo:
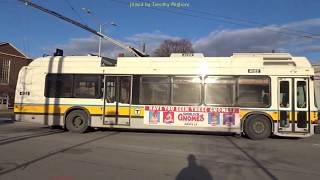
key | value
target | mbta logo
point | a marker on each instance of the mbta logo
(137, 111)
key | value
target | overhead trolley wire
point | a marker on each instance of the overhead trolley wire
(75, 12)
(249, 22)
(230, 20)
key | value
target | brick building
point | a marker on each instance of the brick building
(11, 61)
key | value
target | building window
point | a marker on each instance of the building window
(4, 71)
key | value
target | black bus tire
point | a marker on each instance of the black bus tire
(77, 121)
(257, 127)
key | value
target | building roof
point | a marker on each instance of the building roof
(20, 52)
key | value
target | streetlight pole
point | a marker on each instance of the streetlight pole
(100, 38)
(88, 11)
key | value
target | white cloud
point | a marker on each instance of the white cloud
(152, 40)
(89, 45)
(260, 39)
(217, 43)
(310, 48)
(154, 37)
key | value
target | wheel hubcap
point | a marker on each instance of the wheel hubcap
(77, 122)
(258, 127)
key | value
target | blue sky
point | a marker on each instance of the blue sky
(216, 28)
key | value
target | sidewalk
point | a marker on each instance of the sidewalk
(6, 116)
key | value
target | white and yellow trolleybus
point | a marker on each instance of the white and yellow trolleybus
(256, 94)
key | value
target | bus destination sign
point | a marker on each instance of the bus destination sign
(254, 71)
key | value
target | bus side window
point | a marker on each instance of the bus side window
(220, 90)
(186, 90)
(135, 89)
(125, 90)
(154, 90)
(110, 89)
(86, 86)
(301, 94)
(284, 94)
(254, 91)
(59, 85)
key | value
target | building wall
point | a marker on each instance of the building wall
(17, 61)
(317, 82)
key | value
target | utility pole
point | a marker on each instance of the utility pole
(136, 52)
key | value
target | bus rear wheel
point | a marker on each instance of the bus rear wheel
(77, 121)
(257, 127)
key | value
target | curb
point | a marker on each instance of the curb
(7, 121)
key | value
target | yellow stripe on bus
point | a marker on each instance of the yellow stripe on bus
(61, 109)
(124, 111)
(275, 115)
(272, 114)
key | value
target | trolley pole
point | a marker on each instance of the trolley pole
(100, 39)
(136, 52)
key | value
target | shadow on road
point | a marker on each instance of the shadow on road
(194, 171)
(253, 159)
(27, 163)
(166, 131)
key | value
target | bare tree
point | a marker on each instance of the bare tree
(173, 46)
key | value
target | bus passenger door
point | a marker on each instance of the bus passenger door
(117, 100)
(302, 110)
(285, 107)
(293, 106)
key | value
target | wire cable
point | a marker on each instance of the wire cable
(250, 22)
(229, 20)
(76, 13)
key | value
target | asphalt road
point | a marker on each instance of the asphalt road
(29, 151)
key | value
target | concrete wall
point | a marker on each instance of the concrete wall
(317, 82)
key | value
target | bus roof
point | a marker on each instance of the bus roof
(193, 63)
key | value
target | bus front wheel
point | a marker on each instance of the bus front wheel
(77, 121)
(257, 127)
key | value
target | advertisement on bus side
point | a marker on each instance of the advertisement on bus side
(192, 116)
